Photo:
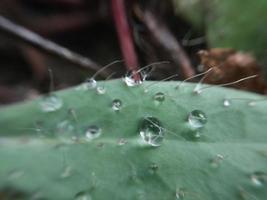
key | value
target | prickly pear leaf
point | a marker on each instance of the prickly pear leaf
(88, 149)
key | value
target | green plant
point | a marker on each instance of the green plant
(118, 142)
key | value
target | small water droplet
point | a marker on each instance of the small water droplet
(65, 127)
(197, 119)
(37, 196)
(151, 131)
(159, 97)
(51, 103)
(252, 103)
(100, 90)
(15, 174)
(122, 142)
(180, 193)
(130, 81)
(116, 104)
(66, 173)
(92, 132)
(83, 196)
(153, 168)
(215, 162)
(90, 83)
(258, 178)
(226, 103)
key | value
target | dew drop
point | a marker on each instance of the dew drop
(92, 132)
(100, 90)
(151, 131)
(83, 196)
(226, 103)
(153, 168)
(66, 172)
(258, 178)
(116, 104)
(51, 103)
(15, 174)
(159, 97)
(215, 162)
(197, 119)
(130, 81)
(180, 193)
(122, 142)
(65, 127)
(90, 83)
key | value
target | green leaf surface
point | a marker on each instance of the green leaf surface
(47, 155)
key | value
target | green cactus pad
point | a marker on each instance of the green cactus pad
(77, 145)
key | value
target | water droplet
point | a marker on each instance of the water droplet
(180, 193)
(51, 103)
(116, 104)
(130, 81)
(37, 196)
(65, 127)
(100, 90)
(226, 103)
(153, 168)
(215, 162)
(15, 174)
(197, 119)
(66, 173)
(122, 141)
(92, 132)
(151, 131)
(252, 103)
(83, 196)
(258, 178)
(90, 83)
(159, 97)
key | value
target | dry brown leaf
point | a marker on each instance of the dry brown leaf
(229, 66)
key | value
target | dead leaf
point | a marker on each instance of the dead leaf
(229, 66)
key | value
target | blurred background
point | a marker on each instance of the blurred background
(193, 35)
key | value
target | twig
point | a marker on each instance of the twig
(41, 43)
(166, 39)
(125, 37)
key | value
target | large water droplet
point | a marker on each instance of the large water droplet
(130, 81)
(197, 119)
(83, 196)
(151, 131)
(51, 103)
(258, 178)
(116, 104)
(90, 83)
(159, 97)
(92, 132)
(100, 90)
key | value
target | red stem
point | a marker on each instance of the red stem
(125, 37)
